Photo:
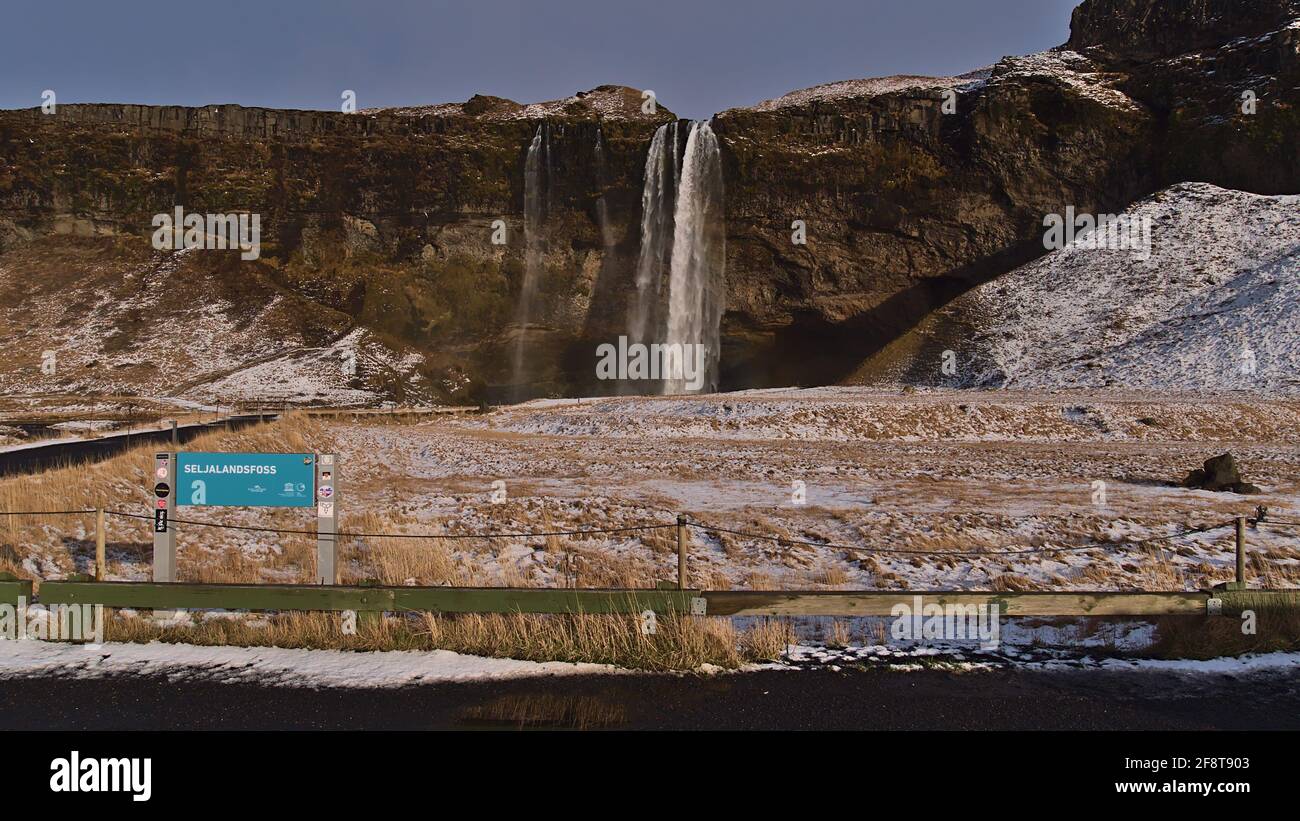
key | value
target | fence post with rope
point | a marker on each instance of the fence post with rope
(101, 562)
(682, 578)
(1241, 552)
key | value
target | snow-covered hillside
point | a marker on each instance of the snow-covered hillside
(1215, 307)
(93, 318)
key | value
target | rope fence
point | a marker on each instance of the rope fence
(47, 512)
(784, 541)
(942, 552)
(356, 535)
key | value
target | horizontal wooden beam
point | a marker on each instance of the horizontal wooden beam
(540, 600)
(11, 590)
(173, 595)
(182, 595)
(882, 603)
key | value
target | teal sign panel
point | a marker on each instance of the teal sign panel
(246, 479)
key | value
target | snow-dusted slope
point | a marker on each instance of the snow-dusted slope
(1216, 306)
(107, 316)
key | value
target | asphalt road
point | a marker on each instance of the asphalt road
(57, 453)
(1006, 699)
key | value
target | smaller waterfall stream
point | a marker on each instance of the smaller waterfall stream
(602, 208)
(536, 181)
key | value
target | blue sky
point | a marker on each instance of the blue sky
(700, 57)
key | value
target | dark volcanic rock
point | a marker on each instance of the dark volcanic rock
(1148, 29)
(1219, 473)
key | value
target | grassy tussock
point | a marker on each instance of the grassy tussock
(766, 640)
(1181, 637)
(680, 642)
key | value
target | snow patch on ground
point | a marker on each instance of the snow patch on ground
(908, 659)
(270, 666)
(267, 665)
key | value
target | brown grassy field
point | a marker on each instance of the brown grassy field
(929, 473)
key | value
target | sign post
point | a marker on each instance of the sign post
(164, 515)
(194, 479)
(327, 521)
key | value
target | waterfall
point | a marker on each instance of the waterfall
(695, 286)
(657, 194)
(602, 209)
(536, 178)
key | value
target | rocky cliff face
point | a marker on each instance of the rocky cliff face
(907, 206)
(911, 190)
(1143, 30)
(385, 216)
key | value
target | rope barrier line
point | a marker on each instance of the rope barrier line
(697, 525)
(343, 533)
(45, 512)
(899, 551)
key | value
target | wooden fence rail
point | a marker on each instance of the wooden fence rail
(13, 590)
(882, 603)
(181, 595)
(844, 603)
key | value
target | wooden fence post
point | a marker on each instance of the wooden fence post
(1241, 551)
(681, 552)
(101, 564)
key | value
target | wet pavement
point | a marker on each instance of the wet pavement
(1001, 699)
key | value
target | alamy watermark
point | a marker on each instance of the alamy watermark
(52, 622)
(179, 230)
(127, 775)
(635, 361)
(919, 621)
(1087, 232)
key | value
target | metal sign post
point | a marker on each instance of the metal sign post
(164, 515)
(327, 519)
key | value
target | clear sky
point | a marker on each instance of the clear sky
(699, 56)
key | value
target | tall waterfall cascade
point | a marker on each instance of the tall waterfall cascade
(658, 193)
(683, 250)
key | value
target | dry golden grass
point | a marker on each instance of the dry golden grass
(400, 561)
(766, 639)
(831, 576)
(680, 642)
(837, 634)
(1013, 582)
